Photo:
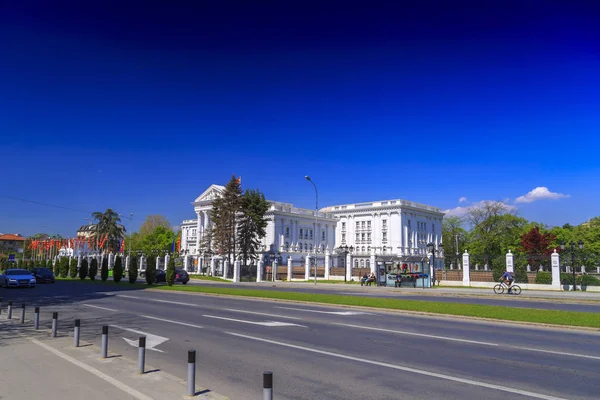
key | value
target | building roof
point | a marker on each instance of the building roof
(11, 236)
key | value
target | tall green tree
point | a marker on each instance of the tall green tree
(224, 215)
(104, 269)
(64, 267)
(108, 224)
(132, 272)
(252, 224)
(118, 270)
(152, 222)
(83, 269)
(171, 271)
(93, 269)
(454, 238)
(55, 266)
(151, 270)
(161, 239)
(73, 268)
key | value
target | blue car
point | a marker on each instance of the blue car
(17, 278)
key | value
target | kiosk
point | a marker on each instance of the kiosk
(415, 271)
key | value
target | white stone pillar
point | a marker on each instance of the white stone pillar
(466, 269)
(225, 268)
(213, 266)
(307, 268)
(598, 270)
(372, 261)
(79, 261)
(583, 269)
(185, 262)
(289, 269)
(111, 260)
(555, 270)
(127, 261)
(237, 265)
(167, 257)
(274, 271)
(349, 267)
(327, 260)
(510, 257)
(157, 262)
(259, 268)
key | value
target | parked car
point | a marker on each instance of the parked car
(182, 276)
(161, 276)
(43, 275)
(17, 278)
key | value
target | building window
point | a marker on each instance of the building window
(363, 249)
(355, 263)
(311, 247)
(362, 237)
(357, 225)
(368, 224)
(362, 263)
(384, 236)
(343, 237)
(363, 224)
(193, 232)
(357, 237)
(369, 237)
(433, 228)
(323, 235)
(311, 234)
(287, 231)
(300, 233)
(368, 263)
(369, 249)
(384, 223)
(409, 223)
(343, 225)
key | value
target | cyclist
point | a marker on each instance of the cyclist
(508, 279)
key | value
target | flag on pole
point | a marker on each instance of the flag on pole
(123, 245)
(239, 181)
(173, 246)
(178, 244)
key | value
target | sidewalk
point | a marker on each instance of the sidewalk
(52, 369)
(436, 291)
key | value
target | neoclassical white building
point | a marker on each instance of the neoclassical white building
(390, 229)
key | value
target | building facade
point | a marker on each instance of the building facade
(392, 231)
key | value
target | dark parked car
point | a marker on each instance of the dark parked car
(181, 276)
(43, 275)
(161, 275)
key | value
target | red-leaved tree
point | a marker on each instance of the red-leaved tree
(537, 246)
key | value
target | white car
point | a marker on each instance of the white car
(17, 278)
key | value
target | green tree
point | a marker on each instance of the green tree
(108, 224)
(73, 268)
(93, 269)
(252, 224)
(454, 238)
(160, 239)
(132, 272)
(224, 215)
(104, 269)
(118, 270)
(171, 271)
(151, 270)
(64, 267)
(152, 222)
(20, 264)
(83, 269)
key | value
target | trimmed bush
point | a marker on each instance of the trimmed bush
(118, 270)
(64, 267)
(73, 268)
(588, 280)
(56, 266)
(83, 270)
(132, 272)
(566, 278)
(543, 278)
(151, 270)
(93, 269)
(171, 271)
(104, 269)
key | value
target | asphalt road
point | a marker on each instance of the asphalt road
(327, 352)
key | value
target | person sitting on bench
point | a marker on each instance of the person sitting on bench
(398, 282)
(371, 279)
(364, 279)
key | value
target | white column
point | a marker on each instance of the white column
(307, 268)
(555, 270)
(157, 262)
(349, 267)
(466, 269)
(185, 262)
(259, 268)
(510, 267)
(213, 266)
(111, 260)
(225, 268)
(289, 269)
(167, 257)
(598, 270)
(198, 230)
(127, 261)
(373, 260)
(79, 261)
(141, 266)
(327, 259)
(274, 271)
(237, 264)
(583, 269)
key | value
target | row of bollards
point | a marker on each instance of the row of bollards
(191, 376)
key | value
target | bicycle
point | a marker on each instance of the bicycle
(501, 287)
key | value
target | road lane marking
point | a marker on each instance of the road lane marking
(405, 369)
(556, 352)
(159, 301)
(267, 323)
(101, 308)
(172, 322)
(418, 334)
(259, 313)
(324, 312)
(151, 340)
(129, 390)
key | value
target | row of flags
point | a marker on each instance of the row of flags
(72, 243)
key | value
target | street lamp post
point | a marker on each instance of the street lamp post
(316, 221)
(563, 246)
(343, 251)
(431, 249)
(130, 223)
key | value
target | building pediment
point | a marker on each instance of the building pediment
(210, 194)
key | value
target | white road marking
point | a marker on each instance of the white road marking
(159, 301)
(560, 353)
(268, 323)
(101, 308)
(259, 313)
(325, 312)
(418, 334)
(151, 340)
(129, 390)
(172, 322)
(406, 369)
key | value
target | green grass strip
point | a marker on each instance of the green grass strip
(552, 317)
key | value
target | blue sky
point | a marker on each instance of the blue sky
(140, 106)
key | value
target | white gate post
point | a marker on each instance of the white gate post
(237, 264)
(466, 269)
(327, 261)
(307, 268)
(289, 269)
(510, 257)
(555, 270)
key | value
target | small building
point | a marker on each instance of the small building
(11, 243)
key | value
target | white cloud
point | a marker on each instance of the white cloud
(456, 212)
(540, 193)
(462, 211)
(462, 200)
